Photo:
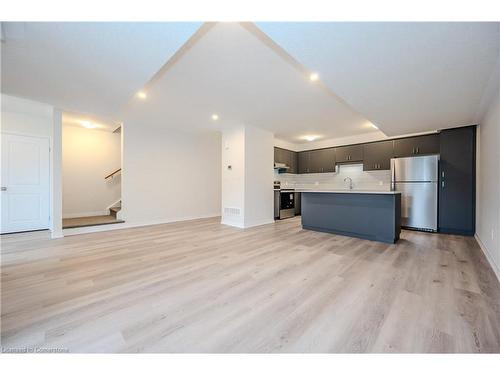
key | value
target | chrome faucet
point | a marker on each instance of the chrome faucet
(350, 182)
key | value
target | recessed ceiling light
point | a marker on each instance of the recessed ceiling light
(141, 95)
(215, 117)
(314, 77)
(87, 124)
(311, 138)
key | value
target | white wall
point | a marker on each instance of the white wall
(233, 177)
(259, 160)
(488, 197)
(247, 197)
(88, 155)
(169, 175)
(26, 117)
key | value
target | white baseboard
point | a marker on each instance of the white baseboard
(259, 222)
(494, 266)
(231, 223)
(56, 234)
(86, 214)
(107, 227)
(238, 224)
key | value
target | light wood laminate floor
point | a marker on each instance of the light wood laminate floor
(200, 286)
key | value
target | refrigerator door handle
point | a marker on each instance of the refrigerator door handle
(393, 175)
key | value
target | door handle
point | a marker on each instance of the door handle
(4, 188)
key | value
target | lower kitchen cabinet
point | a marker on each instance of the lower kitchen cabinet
(298, 202)
(377, 155)
(457, 181)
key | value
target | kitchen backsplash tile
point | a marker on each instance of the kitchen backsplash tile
(373, 180)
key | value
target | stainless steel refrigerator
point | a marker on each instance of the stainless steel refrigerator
(416, 178)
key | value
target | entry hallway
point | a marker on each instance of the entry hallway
(200, 286)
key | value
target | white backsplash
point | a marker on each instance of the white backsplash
(372, 180)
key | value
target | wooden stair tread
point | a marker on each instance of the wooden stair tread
(89, 221)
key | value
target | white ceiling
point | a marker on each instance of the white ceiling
(231, 72)
(406, 77)
(86, 67)
(95, 123)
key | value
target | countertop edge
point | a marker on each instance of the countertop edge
(348, 191)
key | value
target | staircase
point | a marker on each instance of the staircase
(114, 216)
(113, 211)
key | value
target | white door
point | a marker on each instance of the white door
(25, 183)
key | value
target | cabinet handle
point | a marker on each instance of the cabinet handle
(442, 184)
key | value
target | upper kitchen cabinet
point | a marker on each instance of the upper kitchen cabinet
(292, 159)
(303, 161)
(420, 145)
(286, 157)
(279, 155)
(326, 160)
(377, 155)
(457, 181)
(349, 154)
(317, 161)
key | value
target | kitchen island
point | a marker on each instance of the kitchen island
(372, 215)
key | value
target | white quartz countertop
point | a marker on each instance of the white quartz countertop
(346, 191)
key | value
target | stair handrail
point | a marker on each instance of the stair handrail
(113, 173)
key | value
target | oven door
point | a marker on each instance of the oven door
(287, 204)
(286, 200)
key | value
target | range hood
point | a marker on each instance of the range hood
(281, 167)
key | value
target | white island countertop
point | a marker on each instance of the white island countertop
(346, 191)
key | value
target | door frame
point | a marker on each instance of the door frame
(49, 138)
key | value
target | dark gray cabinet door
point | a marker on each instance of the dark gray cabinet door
(292, 161)
(279, 155)
(315, 161)
(377, 155)
(349, 154)
(286, 157)
(321, 161)
(326, 160)
(303, 161)
(421, 145)
(457, 181)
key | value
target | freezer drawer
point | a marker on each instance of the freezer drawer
(418, 205)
